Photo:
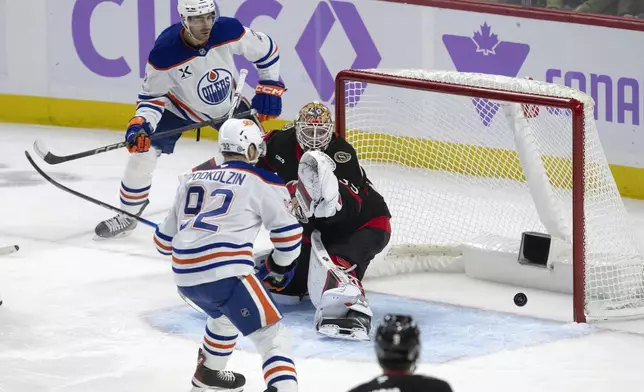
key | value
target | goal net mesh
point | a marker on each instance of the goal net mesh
(451, 168)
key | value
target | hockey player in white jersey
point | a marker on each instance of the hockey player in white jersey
(189, 78)
(209, 233)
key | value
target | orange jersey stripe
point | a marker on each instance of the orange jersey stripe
(158, 103)
(269, 311)
(212, 256)
(287, 239)
(185, 107)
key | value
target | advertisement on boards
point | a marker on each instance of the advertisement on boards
(3, 39)
(102, 45)
(96, 50)
(579, 56)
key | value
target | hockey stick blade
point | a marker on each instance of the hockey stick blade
(45, 153)
(8, 249)
(42, 151)
(85, 197)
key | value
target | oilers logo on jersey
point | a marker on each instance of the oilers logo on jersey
(215, 86)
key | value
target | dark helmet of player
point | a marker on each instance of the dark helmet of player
(314, 126)
(398, 343)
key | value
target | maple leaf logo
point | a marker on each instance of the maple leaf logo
(485, 41)
(472, 54)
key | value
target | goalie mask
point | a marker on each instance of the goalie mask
(314, 127)
(237, 135)
(198, 17)
(317, 192)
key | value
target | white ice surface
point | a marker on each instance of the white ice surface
(72, 317)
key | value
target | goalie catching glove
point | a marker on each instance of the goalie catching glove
(317, 193)
(275, 276)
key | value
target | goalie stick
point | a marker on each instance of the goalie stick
(45, 153)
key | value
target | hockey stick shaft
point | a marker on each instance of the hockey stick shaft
(237, 95)
(53, 159)
(84, 196)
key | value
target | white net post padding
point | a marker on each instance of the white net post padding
(498, 159)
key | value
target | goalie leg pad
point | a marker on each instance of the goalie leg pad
(137, 180)
(342, 310)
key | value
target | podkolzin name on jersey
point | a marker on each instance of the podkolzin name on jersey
(220, 176)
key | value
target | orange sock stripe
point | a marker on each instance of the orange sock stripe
(276, 369)
(219, 346)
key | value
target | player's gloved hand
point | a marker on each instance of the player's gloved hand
(275, 276)
(268, 99)
(137, 133)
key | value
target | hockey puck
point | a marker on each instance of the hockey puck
(520, 299)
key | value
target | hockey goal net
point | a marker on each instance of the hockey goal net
(461, 156)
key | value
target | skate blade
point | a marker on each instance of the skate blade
(119, 235)
(204, 388)
(214, 389)
(335, 332)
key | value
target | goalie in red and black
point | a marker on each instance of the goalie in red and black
(345, 227)
(357, 232)
(352, 235)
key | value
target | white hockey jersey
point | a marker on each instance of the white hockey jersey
(196, 84)
(216, 217)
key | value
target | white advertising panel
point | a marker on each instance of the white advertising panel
(96, 50)
(3, 39)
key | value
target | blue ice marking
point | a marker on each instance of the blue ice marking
(448, 331)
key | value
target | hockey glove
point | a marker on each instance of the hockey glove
(268, 99)
(137, 133)
(276, 277)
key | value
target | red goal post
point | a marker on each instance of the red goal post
(395, 117)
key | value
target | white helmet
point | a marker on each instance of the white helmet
(188, 8)
(193, 8)
(237, 135)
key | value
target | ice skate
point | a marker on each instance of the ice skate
(217, 380)
(118, 226)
